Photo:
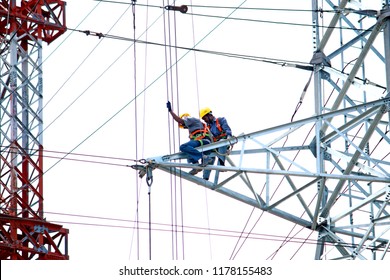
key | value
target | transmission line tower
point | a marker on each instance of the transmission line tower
(24, 232)
(336, 183)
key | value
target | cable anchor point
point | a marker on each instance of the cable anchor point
(183, 8)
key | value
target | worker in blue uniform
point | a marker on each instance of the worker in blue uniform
(198, 134)
(219, 129)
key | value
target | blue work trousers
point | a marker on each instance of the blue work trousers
(221, 159)
(189, 149)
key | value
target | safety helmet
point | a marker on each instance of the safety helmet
(183, 116)
(204, 111)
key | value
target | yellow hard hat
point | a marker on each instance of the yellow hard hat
(203, 112)
(182, 116)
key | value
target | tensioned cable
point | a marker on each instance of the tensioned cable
(32, 150)
(198, 106)
(232, 255)
(78, 67)
(267, 237)
(332, 11)
(281, 62)
(320, 11)
(82, 62)
(54, 49)
(178, 186)
(304, 141)
(169, 95)
(161, 226)
(284, 23)
(192, 230)
(289, 237)
(138, 186)
(120, 110)
(223, 19)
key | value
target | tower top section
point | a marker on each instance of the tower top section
(39, 19)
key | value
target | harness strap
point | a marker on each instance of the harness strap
(222, 134)
(199, 134)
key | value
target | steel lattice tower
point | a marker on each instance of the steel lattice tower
(24, 26)
(337, 182)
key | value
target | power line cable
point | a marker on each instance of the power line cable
(332, 11)
(79, 66)
(161, 226)
(205, 231)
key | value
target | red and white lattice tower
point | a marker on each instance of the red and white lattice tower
(24, 233)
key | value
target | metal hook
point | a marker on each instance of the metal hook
(149, 175)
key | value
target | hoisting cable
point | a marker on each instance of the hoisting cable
(169, 67)
(182, 9)
(138, 187)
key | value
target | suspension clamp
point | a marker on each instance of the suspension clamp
(183, 8)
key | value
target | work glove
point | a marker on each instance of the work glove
(169, 106)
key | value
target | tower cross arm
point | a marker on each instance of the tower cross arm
(42, 19)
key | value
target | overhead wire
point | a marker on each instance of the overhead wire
(115, 114)
(198, 107)
(161, 226)
(77, 68)
(205, 36)
(326, 101)
(178, 183)
(79, 157)
(80, 64)
(276, 61)
(143, 133)
(187, 229)
(169, 65)
(83, 61)
(137, 183)
(122, 38)
(320, 11)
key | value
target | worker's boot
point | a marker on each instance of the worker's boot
(195, 171)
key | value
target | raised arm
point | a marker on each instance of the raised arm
(174, 116)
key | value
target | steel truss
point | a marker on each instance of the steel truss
(334, 166)
(24, 233)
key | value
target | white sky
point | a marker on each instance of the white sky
(98, 202)
(242, 91)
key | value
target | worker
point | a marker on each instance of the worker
(199, 136)
(219, 129)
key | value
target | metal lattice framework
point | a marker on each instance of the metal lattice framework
(24, 233)
(334, 167)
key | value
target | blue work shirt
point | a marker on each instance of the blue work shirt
(223, 124)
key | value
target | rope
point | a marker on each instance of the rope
(170, 89)
(138, 188)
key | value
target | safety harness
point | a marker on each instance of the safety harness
(222, 134)
(200, 134)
